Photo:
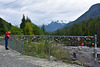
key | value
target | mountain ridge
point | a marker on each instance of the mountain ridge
(93, 12)
(53, 26)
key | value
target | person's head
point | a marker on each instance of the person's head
(9, 32)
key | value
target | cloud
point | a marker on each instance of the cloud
(44, 11)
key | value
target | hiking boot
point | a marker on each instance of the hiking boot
(7, 49)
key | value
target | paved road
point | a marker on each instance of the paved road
(11, 58)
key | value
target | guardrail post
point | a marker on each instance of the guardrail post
(4, 40)
(49, 49)
(95, 51)
(11, 43)
(22, 44)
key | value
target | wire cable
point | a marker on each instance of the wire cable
(8, 3)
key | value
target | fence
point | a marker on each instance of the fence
(63, 48)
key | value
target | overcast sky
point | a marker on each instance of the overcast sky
(43, 11)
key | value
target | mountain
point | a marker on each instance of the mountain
(54, 25)
(93, 12)
(4, 26)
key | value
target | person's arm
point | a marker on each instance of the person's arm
(9, 36)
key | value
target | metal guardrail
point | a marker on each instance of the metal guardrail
(51, 36)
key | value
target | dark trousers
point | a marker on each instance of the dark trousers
(6, 43)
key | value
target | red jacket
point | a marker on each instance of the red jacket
(6, 35)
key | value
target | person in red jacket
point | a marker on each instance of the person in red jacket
(6, 39)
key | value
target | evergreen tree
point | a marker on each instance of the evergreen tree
(27, 19)
(43, 28)
(22, 25)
